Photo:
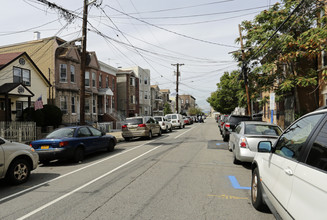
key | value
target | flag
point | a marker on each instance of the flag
(38, 104)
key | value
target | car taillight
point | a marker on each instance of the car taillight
(163, 123)
(243, 143)
(63, 143)
(142, 125)
(124, 126)
(227, 125)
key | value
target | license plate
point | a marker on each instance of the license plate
(45, 147)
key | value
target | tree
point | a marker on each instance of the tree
(195, 111)
(288, 61)
(167, 109)
(229, 94)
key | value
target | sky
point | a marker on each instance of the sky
(151, 34)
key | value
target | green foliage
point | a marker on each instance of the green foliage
(50, 115)
(195, 111)
(167, 109)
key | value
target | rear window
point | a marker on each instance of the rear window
(62, 133)
(158, 118)
(236, 120)
(134, 121)
(262, 130)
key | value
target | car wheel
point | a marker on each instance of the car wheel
(180, 126)
(111, 146)
(78, 155)
(171, 129)
(256, 192)
(225, 138)
(19, 171)
(160, 132)
(236, 161)
(127, 138)
(150, 135)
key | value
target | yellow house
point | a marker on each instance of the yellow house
(21, 84)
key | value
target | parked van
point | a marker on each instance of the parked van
(176, 120)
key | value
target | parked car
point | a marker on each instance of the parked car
(16, 161)
(290, 176)
(143, 126)
(72, 143)
(190, 118)
(186, 120)
(230, 124)
(165, 125)
(176, 120)
(221, 122)
(244, 141)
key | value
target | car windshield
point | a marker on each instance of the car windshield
(262, 129)
(174, 116)
(158, 118)
(134, 121)
(61, 133)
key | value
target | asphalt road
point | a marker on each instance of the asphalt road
(186, 174)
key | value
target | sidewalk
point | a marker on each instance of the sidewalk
(118, 135)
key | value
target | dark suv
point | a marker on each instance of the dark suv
(231, 124)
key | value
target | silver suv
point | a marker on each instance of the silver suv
(16, 161)
(143, 126)
(290, 176)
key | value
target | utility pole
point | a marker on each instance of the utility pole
(244, 72)
(83, 65)
(177, 75)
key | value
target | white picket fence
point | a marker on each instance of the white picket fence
(18, 131)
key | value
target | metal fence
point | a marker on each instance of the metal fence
(18, 131)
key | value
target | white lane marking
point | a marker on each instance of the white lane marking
(70, 173)
(183, 133)
(83, 186)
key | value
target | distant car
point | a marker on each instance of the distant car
(176, 120)
(230, 124)
(244, 141)
(16, 161)
(143, 126)
(186, 120)
(72, 143)
(290, 176)
(221, 121)
(190, 118)
(165, 125)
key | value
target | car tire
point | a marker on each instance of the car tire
(180, 126)
(150, 135)
(18, 171)
(236, 161)
(256, 192)
(170, 129)
(127, 138)
(78, 155)
(225, 138)
(111, 146)
(160, 132)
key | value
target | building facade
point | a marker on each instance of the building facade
(187, 102)
(156, 101)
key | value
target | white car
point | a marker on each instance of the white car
(165, 125)
(290, 176)
(176, 120)
(16, 161)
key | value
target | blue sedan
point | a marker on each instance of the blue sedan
(72, 143)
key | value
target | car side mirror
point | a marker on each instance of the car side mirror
(103, 133)
(264, 146)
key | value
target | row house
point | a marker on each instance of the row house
(21, 84)
(187, 102)
(157, 102)
(60, 62)
(128, 90)
(144, 89)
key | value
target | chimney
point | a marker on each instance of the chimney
(37, 35)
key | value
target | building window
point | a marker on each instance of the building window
(113, 84)
(107, 82)
(182, 101)
(63, 73)
(146, 95)
(186, 101)
(93, 79)
(87, 105)
(63, 104)
(87, 79)
(73, 105)
(145, 80)
(22, 76)
(19, 109)
(94, 106)
(132, 81)
(100, 81)
(72, 73)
